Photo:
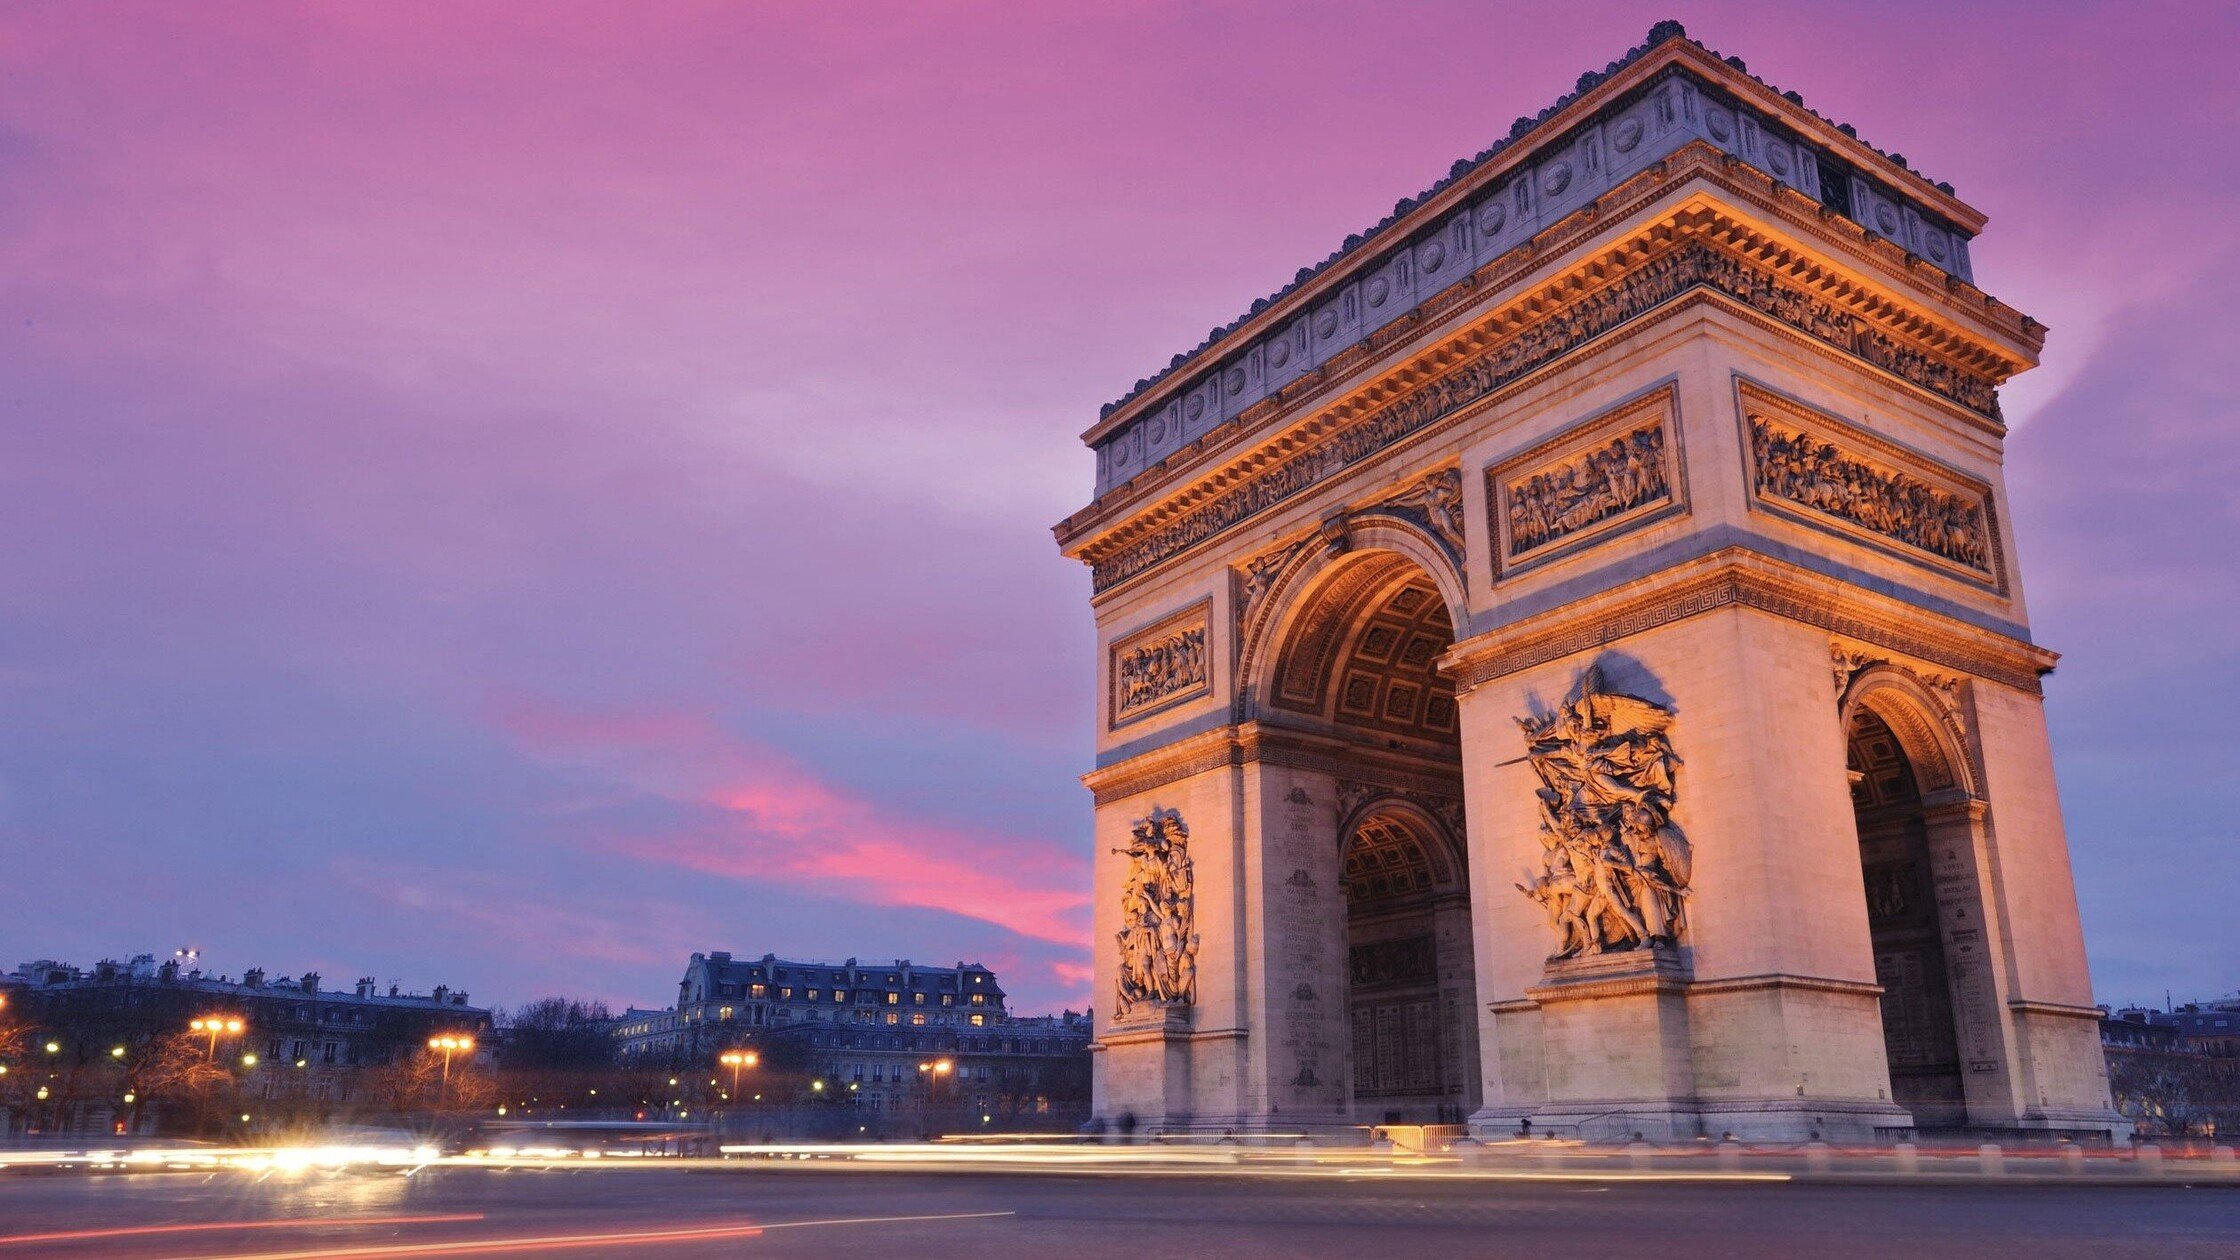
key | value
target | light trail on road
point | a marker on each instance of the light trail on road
(565, 1242)
(138, 1231)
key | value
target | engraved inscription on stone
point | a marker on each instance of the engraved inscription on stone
(1162, 666)
(1799, 467)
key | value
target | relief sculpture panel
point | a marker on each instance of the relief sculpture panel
(1607, 475)
(1164, 665)
(1812, 466)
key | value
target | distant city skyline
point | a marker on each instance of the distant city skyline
(517, 500)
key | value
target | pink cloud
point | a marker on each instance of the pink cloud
(757, 815)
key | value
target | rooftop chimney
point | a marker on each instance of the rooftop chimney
(365, 986)
(253, 977)
(310, 982)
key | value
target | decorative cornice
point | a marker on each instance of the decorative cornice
(1690, 260)
(1739, 577)
(1250, 742)
(1931, 289)
(1759, 124)
(2059, 1010)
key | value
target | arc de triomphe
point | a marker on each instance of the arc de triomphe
(1562, 659)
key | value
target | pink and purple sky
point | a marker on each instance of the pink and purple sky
(510, 494)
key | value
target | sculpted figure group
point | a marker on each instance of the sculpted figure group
(1594, 485)
(1173, 663)
(1158, 936)
(1802, 469)
(1615, 872)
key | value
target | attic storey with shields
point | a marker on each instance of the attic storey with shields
(1468, 746)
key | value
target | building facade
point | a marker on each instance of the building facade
(92, 1039)
(721, 999)
(869, 1047)
(1562, 660)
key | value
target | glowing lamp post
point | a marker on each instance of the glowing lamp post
(449, 1045)
(213, 1027)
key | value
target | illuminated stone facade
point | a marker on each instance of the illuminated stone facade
(1467, 612)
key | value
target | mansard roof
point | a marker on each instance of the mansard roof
(1534, 129)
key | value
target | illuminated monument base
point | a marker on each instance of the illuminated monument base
(1562, 664)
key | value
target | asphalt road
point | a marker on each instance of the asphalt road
(670, 1211)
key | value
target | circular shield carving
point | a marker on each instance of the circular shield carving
(1434, 256)
(1326, 324)
(1625, 135)
(1279, 353)
(1234, 381)
(1379, 291)
(1556, 178)
(1491, 217)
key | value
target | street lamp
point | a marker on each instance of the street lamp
(736, 1060)
(212, 1026)
(450, 1045)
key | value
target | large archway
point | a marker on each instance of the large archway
(1357, 667)
(1921, 1029)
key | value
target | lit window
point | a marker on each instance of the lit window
(814, 994)
(839, 995)
(786, 992)
(893, 1018)
(948, 999)
(979, 1020)
(756, 990)
(979, 999)
(917, 1021)
(918, 998)
(725, 1013)
(894, 999)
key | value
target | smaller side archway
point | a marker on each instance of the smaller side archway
(1915, 804)
(1410, 970)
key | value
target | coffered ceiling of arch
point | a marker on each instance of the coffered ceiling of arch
(1363, 655)
(1880, 773)
(1389, 857)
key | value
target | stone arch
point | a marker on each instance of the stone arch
(1356, 645)
(1282, 588)
(1447, 856)
(1922, 722)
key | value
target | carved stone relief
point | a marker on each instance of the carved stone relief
(1158, 918)
(1607, 474)
(1801, 468)
(1161, 666)
(1435, 502)
(1615, 871)
(1645, 287)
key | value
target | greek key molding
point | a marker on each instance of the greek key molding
(1575, 628)
(1246, 743)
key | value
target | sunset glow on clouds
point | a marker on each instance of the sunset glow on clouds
(510, 494)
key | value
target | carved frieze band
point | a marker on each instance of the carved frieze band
(1605, 476)
(1732, 588)
(1814, 467)
(1164, 665)
(1644, 288)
